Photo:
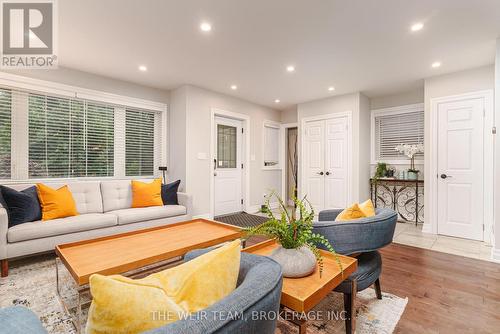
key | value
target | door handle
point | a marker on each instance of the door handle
(327, 173)
(320, 173)
(444, 176)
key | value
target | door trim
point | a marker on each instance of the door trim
(245, 182)
(431, 202)
(283, 157)
(301, 148)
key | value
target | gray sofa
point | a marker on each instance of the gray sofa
(258, 290)
(104, 208)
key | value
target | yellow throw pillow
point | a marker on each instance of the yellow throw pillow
(350, 213)
(124, 305)
(56, 203)
(367, 208)
(146, 194)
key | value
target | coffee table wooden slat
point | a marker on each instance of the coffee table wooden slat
(124, 252)
(302, 294)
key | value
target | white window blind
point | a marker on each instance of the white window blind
(271, 145)
(398, 128)
(64, 136)
(69, 138)
(5, 133)
(140, 152)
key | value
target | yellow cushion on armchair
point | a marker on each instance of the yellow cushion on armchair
(367, 208)
(124, 305)
(351, 213)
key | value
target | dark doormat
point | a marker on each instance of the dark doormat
(242, 219)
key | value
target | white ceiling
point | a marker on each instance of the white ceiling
(354, 45)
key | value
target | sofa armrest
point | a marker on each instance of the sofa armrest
(4, 226)
(187, 201)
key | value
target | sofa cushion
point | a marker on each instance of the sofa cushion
(22, 206)
(116, 195)
(134, 215)
(49, 228)
(169, 193)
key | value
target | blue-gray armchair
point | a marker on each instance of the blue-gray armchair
(258, 290)
(362, 238)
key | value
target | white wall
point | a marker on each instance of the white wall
(198, 105)
(87, 80)
(177, 136)
(482, 78)
(396, 100)
(496, 243)
(289, 115)
(359, 106)
(364, 147)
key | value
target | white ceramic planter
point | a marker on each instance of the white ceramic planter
(297, 262)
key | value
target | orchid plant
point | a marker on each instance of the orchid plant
(410, 151)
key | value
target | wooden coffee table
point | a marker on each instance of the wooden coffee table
(137, 253)
(301, 294)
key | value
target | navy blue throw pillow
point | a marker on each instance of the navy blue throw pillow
(169, 193)
(22, 206)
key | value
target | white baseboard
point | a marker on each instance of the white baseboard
(427, 228)
(495, 254)
(203, 216)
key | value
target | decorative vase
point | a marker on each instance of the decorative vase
(298, 262)
(412, 175)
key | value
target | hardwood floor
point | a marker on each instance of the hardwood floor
(446, 293)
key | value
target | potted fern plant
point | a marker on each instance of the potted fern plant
(298, 253)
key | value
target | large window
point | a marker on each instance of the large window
(5, 133)
(391, 127)
(69, 138)
(48, 136)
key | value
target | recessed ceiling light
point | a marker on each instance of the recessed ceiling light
(206, 27)
(234, 87)
(331, 89)
(436, 64)
(143, 68)
(290, 68)
(417, 26)
(277, 101)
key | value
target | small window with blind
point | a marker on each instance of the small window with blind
(395, 126)
(271, 145)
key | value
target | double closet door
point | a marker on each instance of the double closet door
(326, 162)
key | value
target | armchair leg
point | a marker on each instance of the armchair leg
(5, 267)
(350, 309)
(378, 291)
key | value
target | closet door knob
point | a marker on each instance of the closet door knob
(320, 173)
(327, 173)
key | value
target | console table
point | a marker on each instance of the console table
(406, 197)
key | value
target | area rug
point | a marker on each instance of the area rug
(32, 283)
(242, 219)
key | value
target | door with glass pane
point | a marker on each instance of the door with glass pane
(227, 166)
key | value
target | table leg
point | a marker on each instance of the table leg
(350, 308)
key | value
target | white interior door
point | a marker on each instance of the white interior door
(336, 164)
(460, 168)
(314, 156)
(227, 166)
